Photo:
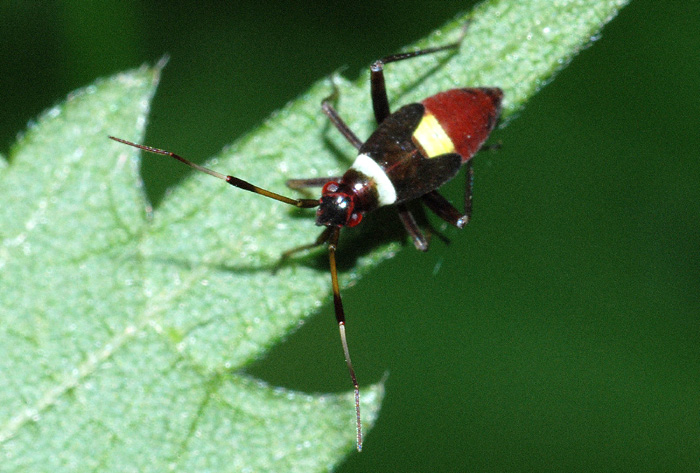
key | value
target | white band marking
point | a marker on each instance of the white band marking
(369, 167)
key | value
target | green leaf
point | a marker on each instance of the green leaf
(124, 339)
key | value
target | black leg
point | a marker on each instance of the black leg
(491, 147)
(443, 209)
(409, 223)
(338, 122)
(380, 100)
(322, 238)
(446, 211)
(468, 192)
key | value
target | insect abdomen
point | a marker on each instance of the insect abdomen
(458, 121)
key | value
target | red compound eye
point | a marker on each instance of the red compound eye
(355, 218)
(329, 187)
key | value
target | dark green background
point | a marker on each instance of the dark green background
(560, 331)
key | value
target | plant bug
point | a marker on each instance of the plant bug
(412, 153)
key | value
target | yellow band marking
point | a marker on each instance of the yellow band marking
(432, 137)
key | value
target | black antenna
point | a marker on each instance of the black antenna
(234, 181)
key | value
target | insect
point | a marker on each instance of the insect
(413, 152)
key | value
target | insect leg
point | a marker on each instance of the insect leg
(338, 122)
(380, 100)
(469, 187)
(409, 223)
(443, 209)
(446, 211)
(322, 238)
